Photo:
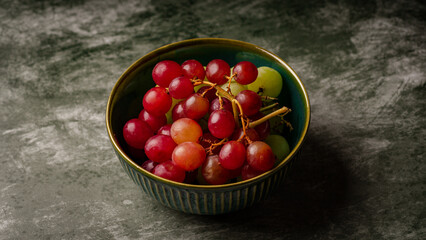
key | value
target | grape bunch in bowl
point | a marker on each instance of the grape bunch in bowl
(208, 126)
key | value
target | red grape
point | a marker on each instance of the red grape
(136, 132)
(159, 148)
(217, 70)
(165, 130)
(189, 155)
(248, 172)
(192, 68)
(250, 102)
(170, 171)
(195, 106)
(210, 94)
(215, 105)
(181, 87)
(213, 172)
(155, 122)
(246, 72)
(260, 156)
(149, 165)
(221, 123)
(232, 155)
(178, 112)
(165, 71)
(156, 101)
(185, 130)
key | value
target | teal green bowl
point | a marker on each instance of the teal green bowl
(125, 102)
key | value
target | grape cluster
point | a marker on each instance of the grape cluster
(205, 124)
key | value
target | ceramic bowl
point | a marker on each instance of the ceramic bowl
(125, 102)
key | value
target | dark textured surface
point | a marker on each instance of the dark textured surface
(362, 172)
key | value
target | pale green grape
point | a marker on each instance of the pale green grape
(268, 83)
(235, 87)
(279, 146)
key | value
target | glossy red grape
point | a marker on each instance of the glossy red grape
(159, 148)
(165, 130)
(217, 70)
(155, 122)
(170, 171)
(156, 101)
(213, 172)
(178, 112)
(260, 156)
(185, 130)
(181, 87)
(193, 68)
(232, 155)
(248, 172)
(221, 123)
(262, 129)
(189, 155)
(196, 106)
(246, 72)
(250, 102)
(215, 105)
(149, 165)
(165, 71)
(208, 91)
(136, 132)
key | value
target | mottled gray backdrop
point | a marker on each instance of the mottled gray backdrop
(362, 174)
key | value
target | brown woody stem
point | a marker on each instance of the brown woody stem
(268, 107)
(283, 110)
(241, 116)
(235, 104)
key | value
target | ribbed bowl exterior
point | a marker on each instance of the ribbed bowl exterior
(211, 201)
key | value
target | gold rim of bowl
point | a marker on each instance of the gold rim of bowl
(190, 42)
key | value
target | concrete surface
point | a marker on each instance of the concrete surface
(362, 172)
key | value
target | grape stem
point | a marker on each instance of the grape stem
(222, 92)
(215, 145)
(268, 107)
(205, 91)
(235, 104)
(218, 88)
(242, 120)
(283, 111)
(229, 82)
(268, 98)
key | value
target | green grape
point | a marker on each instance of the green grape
(235, 87)
(279, 146)
(268, 83)
(169, 113)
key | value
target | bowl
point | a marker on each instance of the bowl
(125, 102)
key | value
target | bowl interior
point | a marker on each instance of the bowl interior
(126, 98)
